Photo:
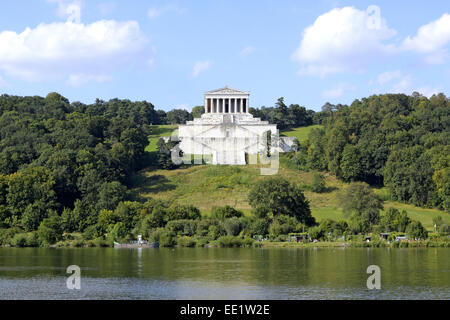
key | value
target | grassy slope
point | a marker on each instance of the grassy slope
(206, 186)
(301, 133)
(157, 132)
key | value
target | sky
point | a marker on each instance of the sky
(170, 52)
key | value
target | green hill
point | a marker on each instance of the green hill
(205, 186)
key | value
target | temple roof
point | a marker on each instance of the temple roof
(226, 90)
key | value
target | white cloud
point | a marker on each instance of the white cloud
(406, 85)
(71, 51)
(429, 91)
(431, 40)
(337, 90)
(200, 66)
(388, 76)
(68, 9)
(155, 12)
(403, 86)
(79, 79)
(246, 51)
(343, 39)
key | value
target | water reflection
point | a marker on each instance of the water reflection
(208, 273)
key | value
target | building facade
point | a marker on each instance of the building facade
(226, 132)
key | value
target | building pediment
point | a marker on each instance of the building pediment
(226, 90)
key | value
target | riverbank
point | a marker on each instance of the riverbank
(266, 244)
(358, 244)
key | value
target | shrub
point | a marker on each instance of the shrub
(315, 233)
(182, 227)
(416, 230)
(19, 240)
(167, 239)
(179, 212)
(90, 233)
(259, 227)
(225, 212)
(232, 226)
(186, 242)
(78, 243)
(229, 241)
(318, 183)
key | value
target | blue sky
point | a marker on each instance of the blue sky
(170, 52)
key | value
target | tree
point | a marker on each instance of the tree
(315, 233)
(416, 230)
(165, 154)
(178, 212)
(175, 116)
(225, 212)
(232, 226)
(351, 163)
(318, 182)
(360, 202)
(50, 230)
(276, 196)
(394, 220)
(110, 194)
(197, 111)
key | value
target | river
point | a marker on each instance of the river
(219, 273)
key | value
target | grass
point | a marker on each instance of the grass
(301, 133)
(158, 131)
(205, 186)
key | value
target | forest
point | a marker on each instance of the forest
(66, 168)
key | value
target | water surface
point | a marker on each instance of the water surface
(219, 273)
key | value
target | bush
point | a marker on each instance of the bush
(229, 241)
(186, 242)
(259, 227)
(318, 183)
(19, 240)
(315, 233)
(167, 239)
(415, 230)
(78, 243)
(90, 233)
(232, 226)
(182, 227)
(50, 230)
(179, 212)
(225, 212)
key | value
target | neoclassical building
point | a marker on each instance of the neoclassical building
(227, 131)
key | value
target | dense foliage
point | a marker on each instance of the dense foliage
(285, 116)
(394, 140)
(68, 159)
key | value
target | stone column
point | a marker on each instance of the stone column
(246, 105)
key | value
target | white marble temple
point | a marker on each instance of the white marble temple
(226, 131)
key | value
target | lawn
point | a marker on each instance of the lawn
(301, 133)
(156, 132)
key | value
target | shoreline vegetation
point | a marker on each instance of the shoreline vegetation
(76, 175)
(236, 242)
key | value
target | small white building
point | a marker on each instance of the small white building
(227, 131)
